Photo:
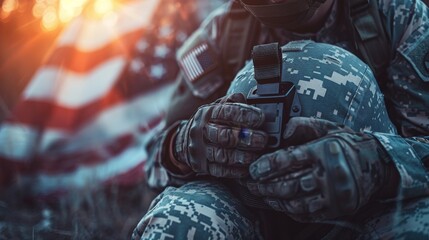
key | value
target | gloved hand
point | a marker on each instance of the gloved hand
(221, 139)
(332, 174)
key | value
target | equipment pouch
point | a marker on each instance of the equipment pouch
(275, 96)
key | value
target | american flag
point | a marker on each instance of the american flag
(198, 61)
(87, 113)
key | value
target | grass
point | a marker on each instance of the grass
(110, 213)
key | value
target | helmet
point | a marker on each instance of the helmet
(331, 83)
(289, 15)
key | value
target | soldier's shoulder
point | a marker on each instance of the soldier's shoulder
(392, 5)
(217, 15)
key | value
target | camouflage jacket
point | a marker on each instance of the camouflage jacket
(406, 89)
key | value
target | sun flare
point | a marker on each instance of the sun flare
(56, 13)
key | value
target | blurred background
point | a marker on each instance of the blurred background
(75, 171)
(27, 31)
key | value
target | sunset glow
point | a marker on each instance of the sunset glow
(55, 13)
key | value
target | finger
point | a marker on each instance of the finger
(283, 189)
(287, 189)
(235, 97)
(238, 114)
(218, 170)
(275, 204)
(299, 207)
(296, 206)
(300, 130)
(230, 157)
(232, 137)
(310, 204)
(281, 162)
(253, 187)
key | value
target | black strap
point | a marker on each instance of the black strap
(279, 9)
(370, 37)
(241, 32)
(267, 62)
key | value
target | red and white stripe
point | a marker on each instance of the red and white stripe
(72, 127)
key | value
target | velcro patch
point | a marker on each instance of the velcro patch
(198, 61)
(418, 57)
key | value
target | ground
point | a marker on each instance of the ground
(111, 213)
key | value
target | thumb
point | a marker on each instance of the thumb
(235, 98)
(300, 130)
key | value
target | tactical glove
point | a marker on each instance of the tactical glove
(333, 175)
(221, 139)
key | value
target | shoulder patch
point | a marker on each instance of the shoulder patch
(198, 59)
(418, 57)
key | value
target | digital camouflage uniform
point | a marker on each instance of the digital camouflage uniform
(208, 210)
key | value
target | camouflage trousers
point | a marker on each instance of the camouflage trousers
(209, 210)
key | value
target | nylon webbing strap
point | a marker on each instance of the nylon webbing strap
(267, 62)
(370, 37)
(241, 31)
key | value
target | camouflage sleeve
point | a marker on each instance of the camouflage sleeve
(407, 93)
(159, 173)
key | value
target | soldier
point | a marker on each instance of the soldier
(368, 184)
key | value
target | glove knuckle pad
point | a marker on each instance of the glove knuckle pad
(238, 114)
(254, 138)
(221, 135)
(242, 158)
(215, 170)
(219, 155)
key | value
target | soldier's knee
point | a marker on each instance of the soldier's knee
(202, 210)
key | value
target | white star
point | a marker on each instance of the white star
(157, 71)
(165, 31)
(136, 65)
(142, 45)
(181, 36)
(161, 51)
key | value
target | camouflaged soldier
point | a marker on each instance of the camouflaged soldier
(383, 173)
